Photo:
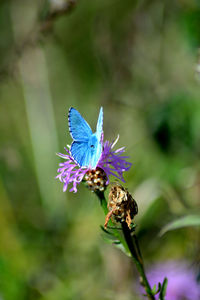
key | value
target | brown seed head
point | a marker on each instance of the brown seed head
(121, 205)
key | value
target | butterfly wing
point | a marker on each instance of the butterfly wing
(96, 142)
(99, 128)
(80, 153)
(78, 127)
(87, 154)
(95, 151)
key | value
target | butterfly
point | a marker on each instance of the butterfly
(86, 147)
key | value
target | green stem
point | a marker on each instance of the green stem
(133, 246)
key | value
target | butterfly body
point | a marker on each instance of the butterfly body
(86, 147)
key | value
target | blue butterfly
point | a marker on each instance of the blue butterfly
(86, 148)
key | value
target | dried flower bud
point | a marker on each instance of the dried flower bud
(96, 179)
(121, 205)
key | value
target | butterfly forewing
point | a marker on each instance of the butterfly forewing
(78, 127)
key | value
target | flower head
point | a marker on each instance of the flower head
(182, 283)
(112, 162)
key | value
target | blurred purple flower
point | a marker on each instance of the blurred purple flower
(182, 283)
(111, 161)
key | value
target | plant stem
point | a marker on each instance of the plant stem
(133, 246)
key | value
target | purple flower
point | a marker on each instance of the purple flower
(70, 172)
(182, 283)
(112, 162)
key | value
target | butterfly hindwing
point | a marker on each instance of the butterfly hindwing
(80, 153)
(78, 127)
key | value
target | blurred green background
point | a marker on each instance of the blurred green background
(137, 59)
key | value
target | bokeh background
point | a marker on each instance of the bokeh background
(137, 59)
